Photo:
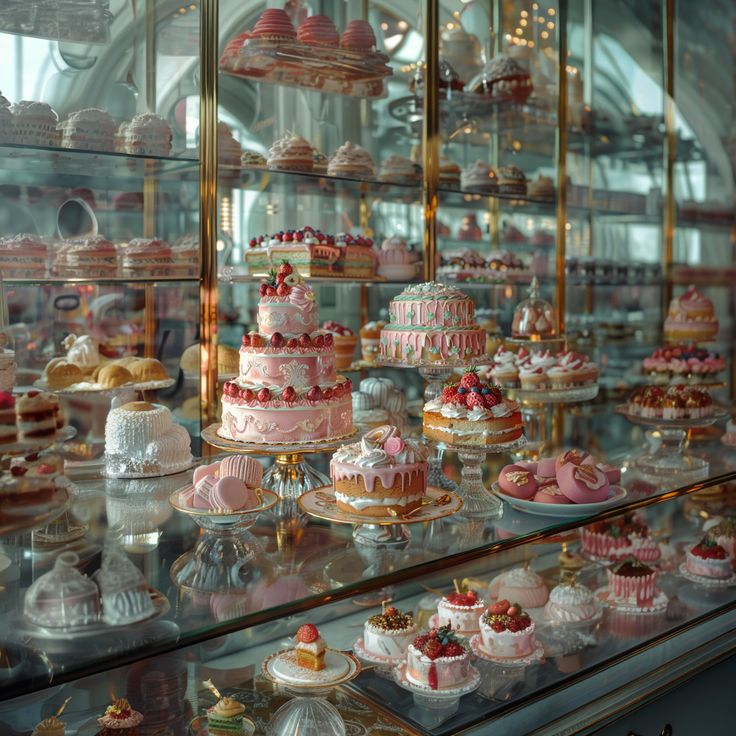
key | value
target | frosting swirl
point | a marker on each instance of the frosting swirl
(227, 708)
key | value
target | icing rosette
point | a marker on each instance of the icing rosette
(302, 296)
(393, 445)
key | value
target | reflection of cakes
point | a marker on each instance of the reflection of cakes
(480, 177)
(569, 602)
(620, 538)
(461, 50)
(148, 134)
(147, 257)
(228, 149)
(370, 337)
(472, 413)
(141, 438)
(123, 590)
(399, 169)
(345, 341)
(389, 634)
(120, 720)
(395, 260)
(461, 612)
(310, 648)
(521, 585)
(35, 124)
(708, 559)
(382, 473)
(438, 660)
(290, 152)
(469, 229)
(429, 322)
(91, 129)
(511, 180)
(690, 317)
(503, 77)
(353, 161)
(507, 632)
(633, 584)
(225, 486)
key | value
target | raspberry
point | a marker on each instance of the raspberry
(247, 395)
(458, 399)
(498, 627)
(329, 340)
(448, 394)
(475, 399)
(420, 642)
(433, 650)
(270, 291)
(307, 634)
(327, 394)
(319, 341)
(285, 269)
(263, 289)
(513, 610)
(470, 379)
(283, 289)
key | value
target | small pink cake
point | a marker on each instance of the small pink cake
(708, 559)
(517, 481)
(274, 25)
(358, 36)
(318, 30)
(520, 585)
(583, 483)
(633, 584)
(438, 660)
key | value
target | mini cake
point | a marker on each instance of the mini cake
(290, 152)
(450, 173)
(142, 439)
(516, 481)
(521, 585)
(345, 341)
(92, 256)
(541, 188)
(430, 322)
(690, 317)
(147, 134)
(396, 261)
(389, 634)
(632, 584)
(310, 648)
(318, 30)
(671, 403)
(399, 169)
(507, 632)
(708, 559)
(620, 538)
(683, 361)
(370, 340)
(460, 612)
(8, 422)
(225, 718)
(382, 473)
(472, 413)
(569, 603)
(358, 36)
(120, 720)
(503, 78)
(511, 180)
(37, 415)
(147, 257)
(480, 177)
(35, 124)
(24, 256)
(287, 389)
(438, 660)
(352, 161)
(90, 129)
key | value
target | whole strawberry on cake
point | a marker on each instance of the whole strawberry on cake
(288, 390)
(472, 412)
(708, 559)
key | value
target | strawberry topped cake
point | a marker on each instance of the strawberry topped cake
(461, 611)
(708, 559)
(472, 413)
(625, 536)
(438, 660)
(681, 361)
(288, 389)
(690, 317)
(310, 648)
(507, 632)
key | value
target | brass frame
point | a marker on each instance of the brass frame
(670, 150)
(561, 204)
(431, 135)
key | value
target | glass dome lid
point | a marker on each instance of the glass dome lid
(534, 318)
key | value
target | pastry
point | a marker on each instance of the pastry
(148, 134)
(120, 719)
(395, 261)
(549, 492)
(225, 486)
(472, 413)
(690, 317)
(90, 129)
(520, 585)
(672, 403)
(310, 648)
(379, 402)
(461, 49)
(517, 481)
(400, 170)
(253, 160)
(623, 537)
(583, 483)
(438, 660)
(469, 229)
(480, 177)
(287, 389)
(382, 475)
(358, 36)
(345, 341)
(274, 25)
(35, 124)
(142, 439)
(370, 339)
(572, 370)
(541, 188)
(632, 584)
(389, 634)
(60, 374)
(147, 370)
(24, 256)
(147, 257)
(449, 173)
(229, 152)
(37, 414)
(570, 602)
(683, 361)
(507, 631)
(93, 256)
(431, 322)
(8, 423)
(352, 161)
(503, 78)
(708, 559)
(82, 351)
(511, 180)
(290, 152)
(225, 717)
(461, 612)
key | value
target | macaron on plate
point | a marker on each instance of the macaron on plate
(616, 495)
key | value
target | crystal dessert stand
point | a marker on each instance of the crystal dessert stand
(477, 501)
(226, 554)
(308, 713)
(669, 461)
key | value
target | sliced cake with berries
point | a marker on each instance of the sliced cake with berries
(310, 648)
(388, 634)
(287, 389)
(314, 253)
(507, 632)
(461, 611)
(438, 660)
(708, 559)
(472, 412)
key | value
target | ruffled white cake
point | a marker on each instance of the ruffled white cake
(141, 439)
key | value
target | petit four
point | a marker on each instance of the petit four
(225, 717)
(690, 317)
(147, 134)
(583, 483)
(683, 361)
(671, 403)
(228, 485)
(120, 719)
(310, 648)
(507, 631)
(708, 559)
(517, 481)
(542, 369)
(35, 124)
(389, 634)
(460, 611)
(438, 660)
(521, 585)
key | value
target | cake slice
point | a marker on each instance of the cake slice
(310, 648)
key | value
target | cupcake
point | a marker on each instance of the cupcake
(352, 161)
(708, 559)
(225, 718)
(345, 341)
(521, 585)
(570, 603)
(633, 584)
(399, 169)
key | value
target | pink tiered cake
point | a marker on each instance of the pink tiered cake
(287, 390)
(431, 322)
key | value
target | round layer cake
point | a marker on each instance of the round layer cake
(438, 660)
(380, 474)
(389, 634)
(461, 612)
(507, 632)
(431, 322)
(690, 317)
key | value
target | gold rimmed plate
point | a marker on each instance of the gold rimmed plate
(214, 519)
(281, 667)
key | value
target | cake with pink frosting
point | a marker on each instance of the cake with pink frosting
(395, 261)
(708, 559)
(625, 536)
(381, 474)
(633, 585)
(570, 603)
(507, 631)
(358, 36)
(690, 317)
(432, 322)
(681, 361)
(318, 30)
(274, 25)
(287, 390)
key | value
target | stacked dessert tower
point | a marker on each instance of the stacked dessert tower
(288, 390)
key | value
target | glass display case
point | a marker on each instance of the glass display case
(170, 171)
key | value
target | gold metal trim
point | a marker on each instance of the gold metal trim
(431, 136)
(670, 151)
(561, 208)
(208, 42)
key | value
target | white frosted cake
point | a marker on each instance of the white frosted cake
(389, 634)
(461, 611)
(438, 660)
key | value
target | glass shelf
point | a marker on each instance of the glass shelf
(129, 281)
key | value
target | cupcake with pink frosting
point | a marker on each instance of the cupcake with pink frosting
(358, 36)
(395, 261)
(318, 30)
(274, 25)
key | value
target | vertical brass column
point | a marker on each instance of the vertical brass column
(208, 209)
(561, 165)
(670, 150)
(431, 135)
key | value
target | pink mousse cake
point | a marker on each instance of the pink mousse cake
(287, 390)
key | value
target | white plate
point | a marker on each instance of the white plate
(563, 510)
(281, 668)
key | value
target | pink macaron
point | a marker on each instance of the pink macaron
(550, 493)
(574, 456)
(250, 471)
(518, 482)
(546, 467)
(203, 471)
(583, 483)
(611, 472)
